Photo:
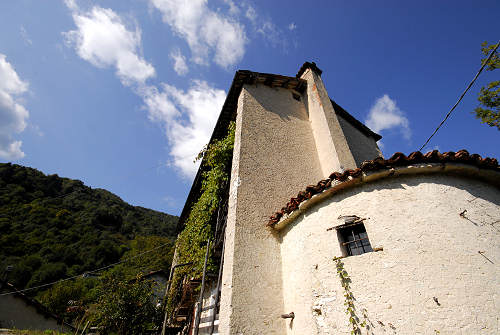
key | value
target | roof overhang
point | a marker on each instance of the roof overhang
(460, 163)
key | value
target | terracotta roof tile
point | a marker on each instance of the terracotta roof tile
(398, 159)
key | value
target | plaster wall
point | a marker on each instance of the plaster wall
(429, 253)
(362, 147)
(17, 314)
(333, 150)
(274, 157)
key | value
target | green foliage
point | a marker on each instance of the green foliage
(36, 332)
(160, 258)
(124, 307)
(53, 228)
(191, 243)
(69, 299)
(489, 96)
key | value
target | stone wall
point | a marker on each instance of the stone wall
(362, 147)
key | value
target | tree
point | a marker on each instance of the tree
(489, 96)
(125, 307)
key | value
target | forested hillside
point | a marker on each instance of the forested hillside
(53, 228)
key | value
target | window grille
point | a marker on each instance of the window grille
(354, 239)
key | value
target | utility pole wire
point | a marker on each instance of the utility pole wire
(96, 270)
(463, 94)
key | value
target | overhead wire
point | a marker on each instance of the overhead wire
(461, 97)
(86, 272)
(92, 271)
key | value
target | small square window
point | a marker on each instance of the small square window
(354, 239)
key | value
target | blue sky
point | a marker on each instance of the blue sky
(122, 94)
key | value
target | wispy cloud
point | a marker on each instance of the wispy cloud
(200, 105)
(180, 65)
(103, 39)
(385, 115)
(13, 115)
(208, 33)
(265, 27)
(233, 8)
(24, 36)
(188, 117)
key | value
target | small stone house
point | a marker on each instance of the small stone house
(405, 245)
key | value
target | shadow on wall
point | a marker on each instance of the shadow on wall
(279, 101)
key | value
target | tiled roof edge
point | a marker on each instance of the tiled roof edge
(397, 160)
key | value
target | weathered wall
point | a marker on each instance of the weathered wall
(274, 157)
(15, 313)
(429, 252)
(332, 147)
(362, 147)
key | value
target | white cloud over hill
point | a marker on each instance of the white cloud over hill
(13, 115)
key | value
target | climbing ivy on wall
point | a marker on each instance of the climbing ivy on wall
(345, 281)
(191, 243)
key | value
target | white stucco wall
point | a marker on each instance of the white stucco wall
(429, 252)
(332, 147)
(362, 147)
(274, 157)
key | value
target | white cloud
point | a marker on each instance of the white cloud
(71, 4)
(209, 34)
(103, 39)
(188, 116)
(13, 115)
(180, 65)
(265, 27)
(251, 14)
(292, 26)
(385, 114)
(199, 107)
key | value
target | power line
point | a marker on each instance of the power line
(463, 94)
(86, 272)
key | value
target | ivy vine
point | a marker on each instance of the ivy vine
(191, 242)
(345, 281)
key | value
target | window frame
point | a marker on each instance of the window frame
(356, 230)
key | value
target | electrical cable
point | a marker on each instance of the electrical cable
(86, 272)
(463, 94)
(96, 270)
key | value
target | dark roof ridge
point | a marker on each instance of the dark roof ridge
(308, 65)
(379, 163)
